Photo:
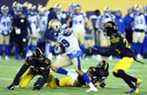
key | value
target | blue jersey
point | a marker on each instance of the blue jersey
(128, 19)
(120, 23)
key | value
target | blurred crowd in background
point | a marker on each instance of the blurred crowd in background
(23, 27)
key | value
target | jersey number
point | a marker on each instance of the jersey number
(65, 43)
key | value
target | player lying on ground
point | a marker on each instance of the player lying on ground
(119, 47)
(97, 74)
(34, 65)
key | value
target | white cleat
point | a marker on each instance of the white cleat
(91, 90)
(139, 56)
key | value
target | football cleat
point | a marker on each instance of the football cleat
(132, 90)
(11, 87)
(137, 91)
(91, 90)
(139, 57)
(138, 83)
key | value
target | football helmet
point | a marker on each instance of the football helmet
(4, 9)
(55, 24)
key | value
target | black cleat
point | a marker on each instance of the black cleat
(11, 87)
(132, 90)
(102, 85)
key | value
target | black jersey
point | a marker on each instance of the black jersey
(38, 64)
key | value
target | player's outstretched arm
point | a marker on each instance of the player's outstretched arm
(99, 50)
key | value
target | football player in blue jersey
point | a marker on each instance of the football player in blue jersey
(5, 30)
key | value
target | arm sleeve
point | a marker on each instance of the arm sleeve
(102, 51)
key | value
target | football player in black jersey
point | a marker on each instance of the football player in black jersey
(119, 47)
(34, 65)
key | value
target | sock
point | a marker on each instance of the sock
(139, 50)
(17, 50)
(62, 71)
(86, 78)
(83, 48)
(1, 50)
(79, 63)
(7, 50)
(134, 47)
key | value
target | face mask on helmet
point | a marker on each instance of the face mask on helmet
(4, 10)
(55, 25)
(110, 28)
(38, 52)
(91, 70)
(65, 30)
(34, 8)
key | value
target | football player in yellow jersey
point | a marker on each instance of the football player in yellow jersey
(97, 75)
(34, 65)
(119, 47)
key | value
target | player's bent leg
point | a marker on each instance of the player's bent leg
(62, 61)
(39, 83)
(53, 82)
(129, 80)
(25, 80)
(120, 70)
(42, 80)
(87, 80)
(66, 81)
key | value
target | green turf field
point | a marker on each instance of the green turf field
(114, 86)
